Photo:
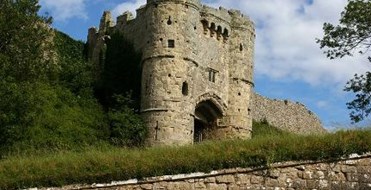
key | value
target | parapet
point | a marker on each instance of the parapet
(234, 17)
(192, 2)
(106, 22)
(124, 19)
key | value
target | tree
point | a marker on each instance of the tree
(352, 35)
(46, 96)
(25, 42)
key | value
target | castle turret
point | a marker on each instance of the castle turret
(106, 22)
(166, 77)
(197, 65)
(238, 117)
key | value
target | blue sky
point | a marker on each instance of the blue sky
(288, 62)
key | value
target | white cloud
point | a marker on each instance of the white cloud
(322, 104)
(285, 44)
(127, 6)
(62, 10)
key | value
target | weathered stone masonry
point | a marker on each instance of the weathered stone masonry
(352, 173)
(197, 71)
(286, 115)
(197, 68)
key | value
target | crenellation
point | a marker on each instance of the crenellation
(197, 69)
(124, 19)
(106, 22)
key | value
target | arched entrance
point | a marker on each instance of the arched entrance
(205, 123)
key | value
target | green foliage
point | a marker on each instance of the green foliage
(47, 100)
(353, 34)
(25, 39)
(37, 116)
(361, 105)
(264, 130)
(127, 128)
(106, 165)
(75, 72)
(121, 73)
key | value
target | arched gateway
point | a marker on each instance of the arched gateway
(197, 68)
(206, 121)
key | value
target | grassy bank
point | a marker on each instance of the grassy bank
(109, 164)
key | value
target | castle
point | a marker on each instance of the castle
(197, 69)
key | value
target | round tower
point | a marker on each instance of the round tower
(166, 76)
(238, 118)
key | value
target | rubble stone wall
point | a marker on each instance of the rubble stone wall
(286, 115)
(351, 173)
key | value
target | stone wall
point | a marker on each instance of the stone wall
(197, 67)
(351, 173)
(286, 115)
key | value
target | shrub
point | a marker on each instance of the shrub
(37, 116)
(127, 128)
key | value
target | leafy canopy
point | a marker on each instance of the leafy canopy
(25, 42)
(352, 35)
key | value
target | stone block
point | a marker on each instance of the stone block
(299, 184)
(243, 178)
(312, 184)
(179, 185)
(225, 179)
(210, 180)
(336, 185)
(352, 177)
(275, 173)
(233, 187)
(215, 186)
(257, 179)
(348, 169)
(200, 185)
(319, 175)
(365, 162)
(350, 185)
(364, 169)
(308, 175)
(288, 182)
(364, 178)
(271, 182)
(146, 186)
(301, 167)
(323, 184)
(364, 186)
(336, 176)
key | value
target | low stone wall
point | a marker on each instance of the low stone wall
(351, 173)
(286, 115)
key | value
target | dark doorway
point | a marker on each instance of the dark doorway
(199, 129)
(205, 122)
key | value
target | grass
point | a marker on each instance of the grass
(109, 164)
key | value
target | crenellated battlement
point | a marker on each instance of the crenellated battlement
(197, 71)
(196, 68)
(193, 2)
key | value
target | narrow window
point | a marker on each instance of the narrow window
(169, 22)
(241, 47)
(212, 74)
(185, 89)
(171, 43)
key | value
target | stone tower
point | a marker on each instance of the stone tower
(197, 69)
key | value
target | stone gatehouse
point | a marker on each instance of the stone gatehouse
(197, 70)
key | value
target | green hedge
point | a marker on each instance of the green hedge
(105, 165)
